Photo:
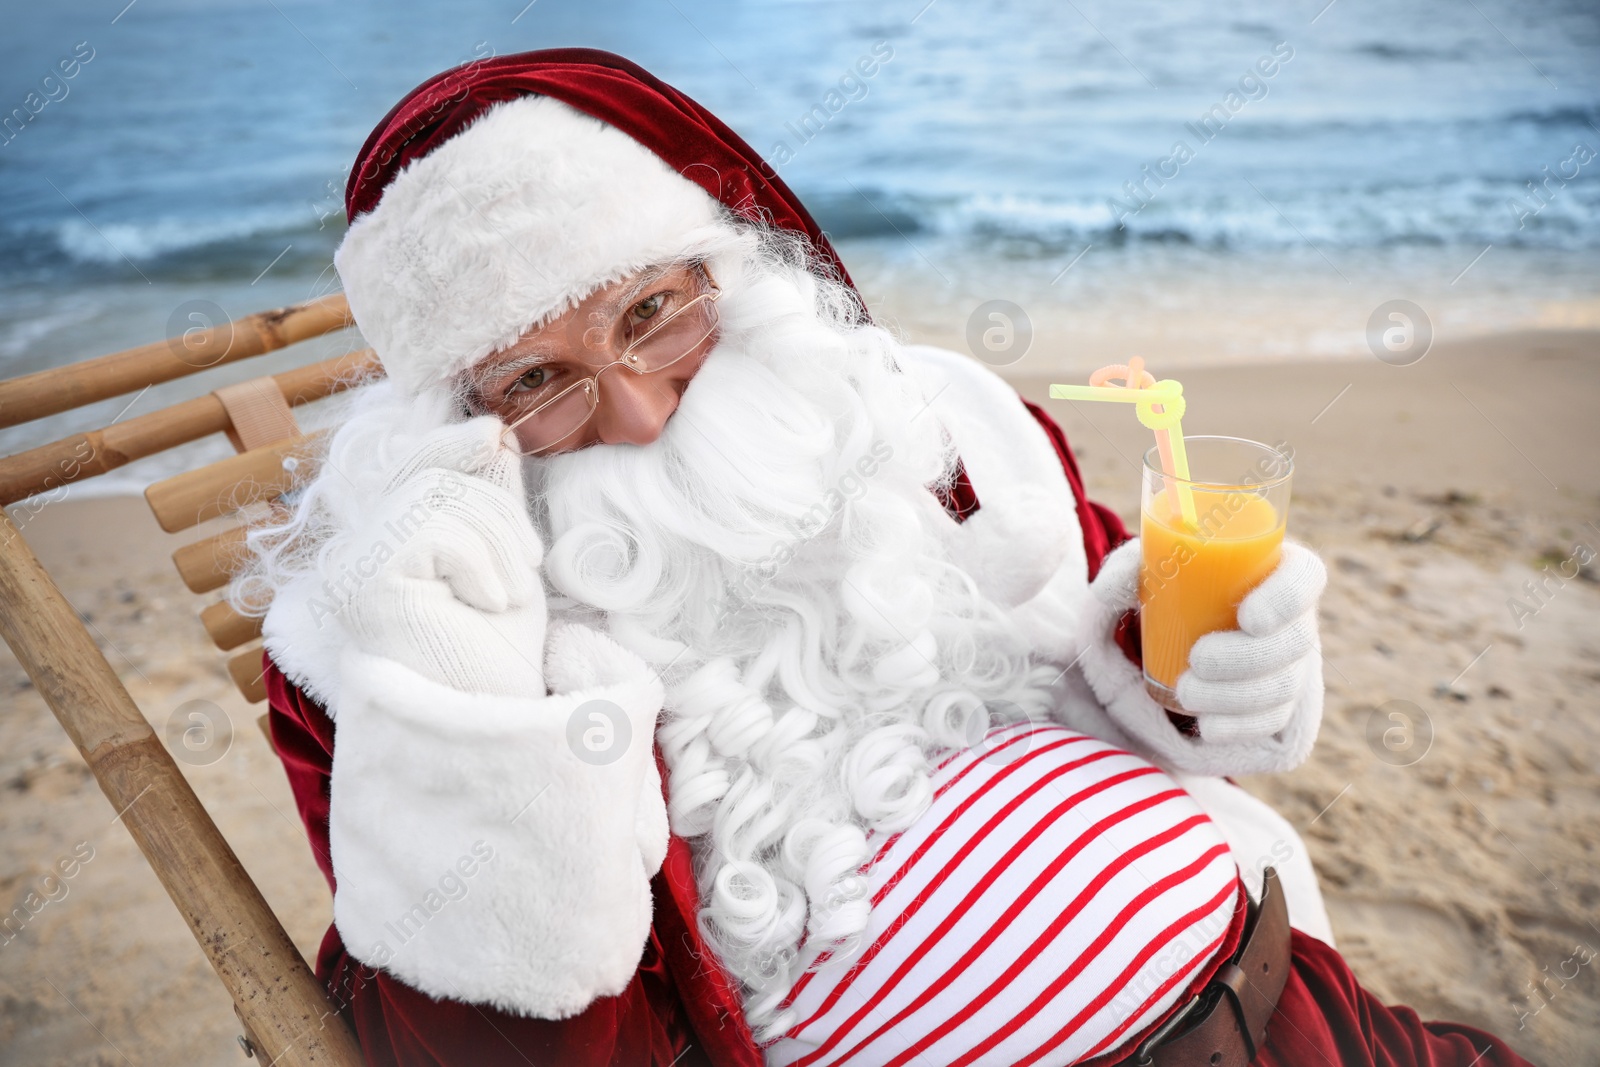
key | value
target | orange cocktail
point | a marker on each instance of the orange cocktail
(1196, 566)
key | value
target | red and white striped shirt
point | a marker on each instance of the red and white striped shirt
(1057, 897)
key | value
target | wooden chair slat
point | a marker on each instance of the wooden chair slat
(246, 671)
(226, 486)
(229, 629)
(210, 563)
(48, 392)
(85, 455)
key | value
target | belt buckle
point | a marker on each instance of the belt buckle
(1143, 1055)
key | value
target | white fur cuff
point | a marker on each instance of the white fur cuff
(497, 849)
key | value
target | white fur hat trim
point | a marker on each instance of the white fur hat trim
(520, 215)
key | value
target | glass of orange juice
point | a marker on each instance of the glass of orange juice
(1195, 568)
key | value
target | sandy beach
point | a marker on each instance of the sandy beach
(1460, 856)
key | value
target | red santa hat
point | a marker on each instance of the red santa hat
(505, 190)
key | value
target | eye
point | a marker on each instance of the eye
(648, 307)
(529, 381)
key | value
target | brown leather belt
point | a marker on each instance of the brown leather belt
(1226, 1022)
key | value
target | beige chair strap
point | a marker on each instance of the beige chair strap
(258, 413)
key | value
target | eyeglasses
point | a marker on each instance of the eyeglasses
(541, 414)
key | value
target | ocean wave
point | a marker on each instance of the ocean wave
(145, 240)
(1571, 117)
(1215, 211)
(1388, 50)
(1469, 211)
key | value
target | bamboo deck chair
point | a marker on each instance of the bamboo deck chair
(287, 1016)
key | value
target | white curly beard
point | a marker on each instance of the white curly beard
(776, 554)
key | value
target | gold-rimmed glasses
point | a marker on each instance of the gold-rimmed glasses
(544, 403)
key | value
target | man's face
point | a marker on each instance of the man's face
(645, 336)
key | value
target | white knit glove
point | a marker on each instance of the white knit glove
(1255, 692)
(445, 573)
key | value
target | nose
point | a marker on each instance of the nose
(634, 408)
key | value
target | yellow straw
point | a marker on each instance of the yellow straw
(1143, 390)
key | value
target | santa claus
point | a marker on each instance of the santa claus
(718, 679)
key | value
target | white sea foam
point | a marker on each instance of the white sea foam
(144, 239)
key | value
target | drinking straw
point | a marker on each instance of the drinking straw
(1160, 406)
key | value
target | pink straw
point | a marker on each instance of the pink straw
(1134, 376)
